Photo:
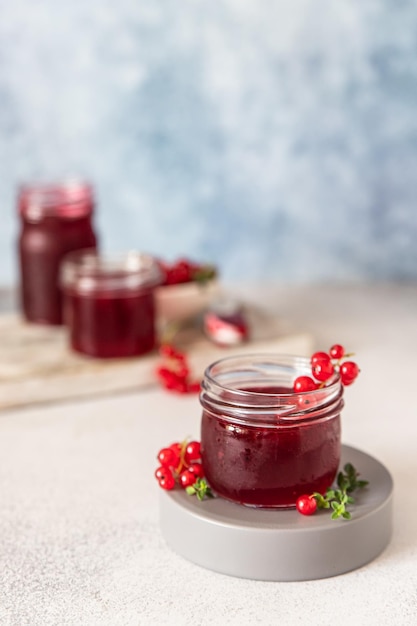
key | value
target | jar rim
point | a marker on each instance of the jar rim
(86, 271)
(67, 199)
(228, 388)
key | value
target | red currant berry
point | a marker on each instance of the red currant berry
(180, 272)
(180, 385)
(337, 351)
(167, 457)
(304, 383)
(187, 478)
(182, 370)
(166, 376)
(348, 372)
(168, 351)
(179, 451)
(180, 357)
(166, 479)
(192, 452)
(197, 469)
(176, 447)
(194, 387)
(306, 505)
(322, 370)
(160, 472)
(171, 380)
(318, 357)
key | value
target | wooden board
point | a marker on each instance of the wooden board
(36, 364)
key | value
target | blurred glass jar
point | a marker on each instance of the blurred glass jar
(109, 303)
(55, 219)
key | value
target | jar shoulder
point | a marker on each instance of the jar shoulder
(56, 236)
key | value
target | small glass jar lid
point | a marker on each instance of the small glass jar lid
(87, 271)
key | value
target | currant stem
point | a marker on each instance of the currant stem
(182, 462)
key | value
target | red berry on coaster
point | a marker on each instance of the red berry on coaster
(192, 452)
(176, 447)
(160, 472)
(197, 469)
(187, 478)
(306, 505)
(166, 478)
(187, 471)
(167, 457)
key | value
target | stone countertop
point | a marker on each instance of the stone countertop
(80, 542)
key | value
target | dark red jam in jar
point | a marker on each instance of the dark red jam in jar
(109, 303)
(55, 219)
(262, 444)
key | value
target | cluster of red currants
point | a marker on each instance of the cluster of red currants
(324, 365)
(174, 373)
(180, 464)
(185, 271)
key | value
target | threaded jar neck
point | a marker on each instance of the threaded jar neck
(87, 272)
(258, 390)
(66, 200)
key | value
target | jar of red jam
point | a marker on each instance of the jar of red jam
(55, 219)
(109, 303)
(262, 444)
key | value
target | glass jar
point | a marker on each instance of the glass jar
(109, 303)
(55, 219)
(262, 444)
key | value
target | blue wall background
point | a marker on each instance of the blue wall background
(276, 138)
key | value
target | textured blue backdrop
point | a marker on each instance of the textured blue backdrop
(278, 138)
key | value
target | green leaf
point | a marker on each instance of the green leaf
(200, 489)
(342, 481)
(322, 501)
(337, 499)
(204, 274)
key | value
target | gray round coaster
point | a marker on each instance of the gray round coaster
(282, 545)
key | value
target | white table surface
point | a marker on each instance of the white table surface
(80, 542)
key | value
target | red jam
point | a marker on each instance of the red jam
(55, 220)
(109, 304)
(263, 445)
